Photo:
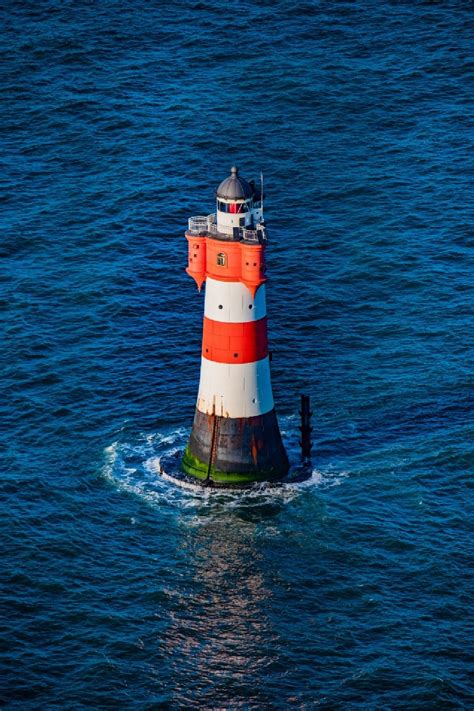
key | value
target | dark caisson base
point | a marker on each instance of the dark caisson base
(230, 451)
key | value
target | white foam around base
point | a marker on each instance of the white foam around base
(137, 469)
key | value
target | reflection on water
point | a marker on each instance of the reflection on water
(219, 639)
(221, 634)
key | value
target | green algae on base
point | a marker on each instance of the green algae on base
(193, 466)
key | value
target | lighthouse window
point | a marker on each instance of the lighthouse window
(237, 209)
(232, 208)
(221, 259)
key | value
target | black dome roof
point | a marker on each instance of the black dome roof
(234, 187)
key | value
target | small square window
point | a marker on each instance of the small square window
(221, 259)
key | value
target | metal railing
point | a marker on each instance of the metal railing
(197, 225)
(249, 235)
(213, 229)
(256, 236)
(200, 225)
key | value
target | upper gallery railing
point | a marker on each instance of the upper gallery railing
(204, 225)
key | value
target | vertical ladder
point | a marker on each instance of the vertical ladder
(213, 452)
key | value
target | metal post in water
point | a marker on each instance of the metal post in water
(305, 428)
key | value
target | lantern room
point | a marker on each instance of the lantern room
(238, 204)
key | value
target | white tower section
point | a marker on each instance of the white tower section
(234, 389)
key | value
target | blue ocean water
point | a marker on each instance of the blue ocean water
(355, 589)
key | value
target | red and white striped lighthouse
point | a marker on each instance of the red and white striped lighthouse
(235, 437)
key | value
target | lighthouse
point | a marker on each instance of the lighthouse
(235, 438)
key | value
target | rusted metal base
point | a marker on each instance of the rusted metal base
(235, 451)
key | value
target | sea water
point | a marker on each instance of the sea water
(354, 589)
